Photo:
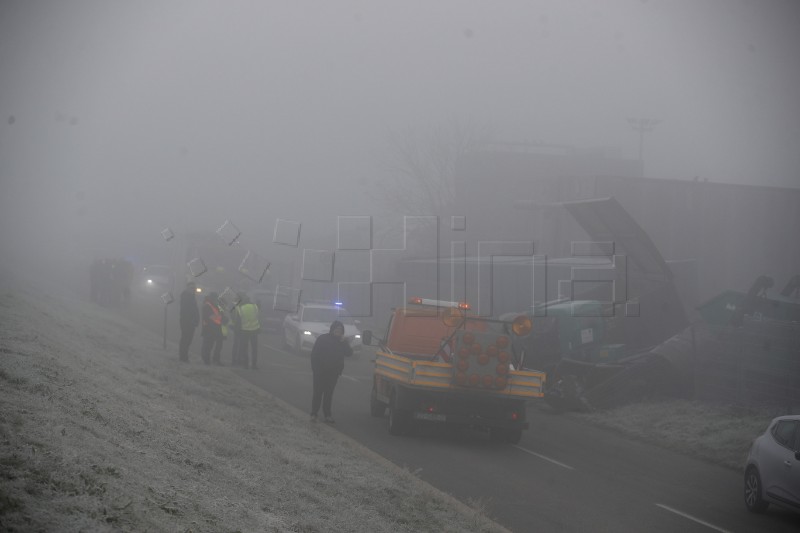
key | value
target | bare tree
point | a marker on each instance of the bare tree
(420, 170)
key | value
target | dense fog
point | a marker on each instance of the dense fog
(121, 119)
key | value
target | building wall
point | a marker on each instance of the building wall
(734, 232)
(729, 234)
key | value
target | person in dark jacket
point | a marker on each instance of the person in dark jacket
(327, 363)
(212, 329)
(189, 318)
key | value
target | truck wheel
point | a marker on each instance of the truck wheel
(376, 407)
(399, 420)
(511, 436)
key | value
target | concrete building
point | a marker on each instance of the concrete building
(714, 236)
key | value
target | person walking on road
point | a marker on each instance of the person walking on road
(212, 329)
(189, 318)
(327, 364)
(248, 332)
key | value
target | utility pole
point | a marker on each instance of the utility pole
(643, 125)
(167, 299)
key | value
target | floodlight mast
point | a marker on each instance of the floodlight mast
(643, 125)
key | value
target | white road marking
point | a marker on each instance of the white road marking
(690, 517)
(540, 456)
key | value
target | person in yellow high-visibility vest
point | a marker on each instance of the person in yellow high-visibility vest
(248, 332)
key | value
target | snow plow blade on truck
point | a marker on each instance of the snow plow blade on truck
(438, 364)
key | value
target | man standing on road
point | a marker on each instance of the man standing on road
(327, 364)
(189, 317)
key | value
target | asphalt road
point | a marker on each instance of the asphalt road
(563, 476)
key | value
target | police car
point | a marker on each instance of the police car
(301, 329)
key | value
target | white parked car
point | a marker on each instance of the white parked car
(301, 329)
(772, 471)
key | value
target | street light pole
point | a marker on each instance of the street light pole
(165, 327)
(643, 125)
(167, 299)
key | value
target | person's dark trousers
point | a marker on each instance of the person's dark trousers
(187, 334)
(205, 349)
(212, 339)
(248, 341)
(218, 350)
(209, 342)
(324, 383)
(236, 358)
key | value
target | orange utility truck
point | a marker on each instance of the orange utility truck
(440, 363)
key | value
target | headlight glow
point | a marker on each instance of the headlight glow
(306, 332)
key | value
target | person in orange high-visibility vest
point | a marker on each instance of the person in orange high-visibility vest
(212, 329)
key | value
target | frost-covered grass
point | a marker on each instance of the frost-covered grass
(99, 431)
(717, 433)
